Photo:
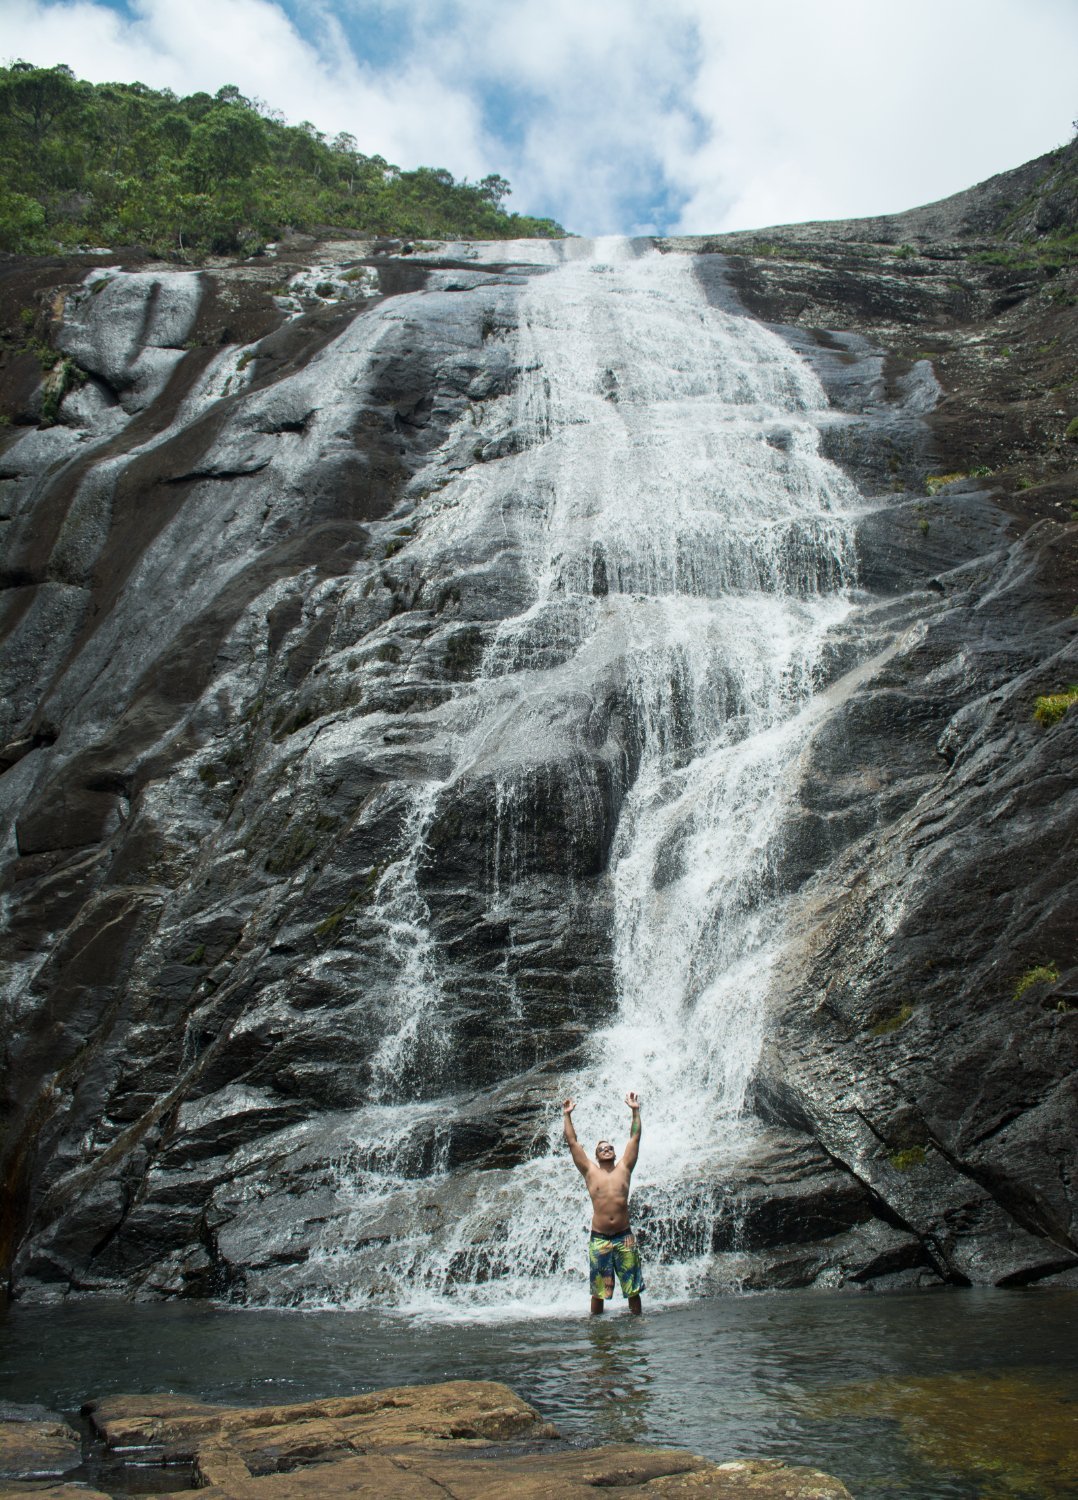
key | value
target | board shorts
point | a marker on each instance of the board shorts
(608, 1253)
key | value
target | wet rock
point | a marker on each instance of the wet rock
(990, 1429)
(243, 629)
(36, 1444)
(461, 1437)
(77, 1491)
(131, 331)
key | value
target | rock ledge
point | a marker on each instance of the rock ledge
(473, 1440)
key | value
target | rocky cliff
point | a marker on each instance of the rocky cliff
(268, 566)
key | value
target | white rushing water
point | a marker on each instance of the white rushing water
(683, 536)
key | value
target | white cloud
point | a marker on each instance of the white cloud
(842, 108)
(204, 44)
(612, 114)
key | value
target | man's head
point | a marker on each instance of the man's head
(604, 1152)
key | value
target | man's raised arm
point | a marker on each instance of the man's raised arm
(576, 1150)
(632, 1145)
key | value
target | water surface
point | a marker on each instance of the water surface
(926, 1395)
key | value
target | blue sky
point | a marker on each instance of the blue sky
(623, 116)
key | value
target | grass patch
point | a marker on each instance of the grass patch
(1054, 252)
(893, 1023)
(936, 482)
(1051, 707)
(771, 250)
(63, 375)
(1070, 432)
(327, 928)
(908, 1158)
(1039, 974)
(297, 847)
(196, 956)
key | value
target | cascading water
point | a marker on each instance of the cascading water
(681, 536)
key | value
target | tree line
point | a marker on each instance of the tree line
(122, 164)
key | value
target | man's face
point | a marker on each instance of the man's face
(604, 1151)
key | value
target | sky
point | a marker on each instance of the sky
(621, 116)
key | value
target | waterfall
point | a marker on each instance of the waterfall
(679, 534)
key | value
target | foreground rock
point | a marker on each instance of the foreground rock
(475, 1440)
(36, 1444)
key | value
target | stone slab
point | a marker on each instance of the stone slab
(38, 1449)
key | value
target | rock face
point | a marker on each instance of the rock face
(310, 824)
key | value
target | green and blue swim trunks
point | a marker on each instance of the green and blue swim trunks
(608, 1253)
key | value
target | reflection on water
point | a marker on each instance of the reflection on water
(965, 1395)
(615, 1382)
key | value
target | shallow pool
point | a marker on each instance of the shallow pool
(928, 1395)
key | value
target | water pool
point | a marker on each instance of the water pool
(961, 1394)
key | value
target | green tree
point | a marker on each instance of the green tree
(123, 163)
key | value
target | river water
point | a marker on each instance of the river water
(924, 1396)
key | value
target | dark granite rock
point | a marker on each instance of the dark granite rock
(231, 659)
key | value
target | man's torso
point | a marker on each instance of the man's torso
(609, 1199)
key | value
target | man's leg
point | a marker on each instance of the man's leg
(601, 1272)
(630, 1272)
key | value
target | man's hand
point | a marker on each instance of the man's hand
(576, 1150)
(632, 1146)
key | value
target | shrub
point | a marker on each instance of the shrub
(1050, 708)
(1039, 974)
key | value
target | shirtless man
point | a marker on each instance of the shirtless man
(612, 1245)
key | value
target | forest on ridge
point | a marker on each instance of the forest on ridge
(217, 174)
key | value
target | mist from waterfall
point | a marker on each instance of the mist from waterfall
(686, 544)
